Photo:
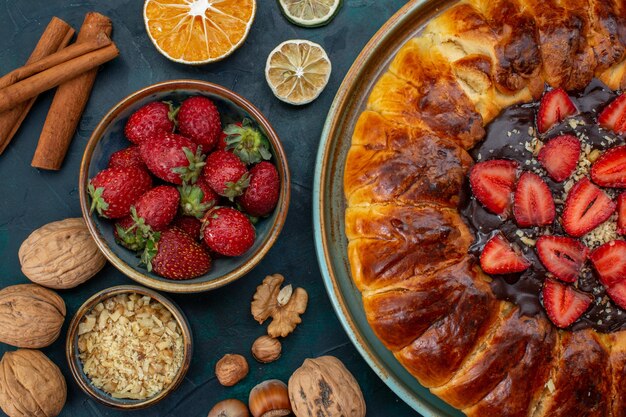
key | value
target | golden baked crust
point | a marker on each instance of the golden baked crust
(408, 246)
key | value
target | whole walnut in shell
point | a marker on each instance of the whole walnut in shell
(31, 385)
(324, 387)
(61, 255)
(31, 316)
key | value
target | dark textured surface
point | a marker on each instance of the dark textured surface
(220, 320)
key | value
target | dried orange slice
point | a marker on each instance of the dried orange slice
(297, 71)
(198, 31)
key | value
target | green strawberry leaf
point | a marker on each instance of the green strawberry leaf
(235, 189)
(191, 172)
(150, 251)
(97, 201)
(247, 142)
(191, 204)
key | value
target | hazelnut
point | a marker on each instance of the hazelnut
(270, 399)
(231, 369)
(229, 408)
(266, 349)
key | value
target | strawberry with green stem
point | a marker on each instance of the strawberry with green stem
(226, 174)
(114, 190)
(247, 142)
(173, 158)
(196, 199)
(261, 196)
(132, 232)
(157, 207)
(227, 231)
(173, 254)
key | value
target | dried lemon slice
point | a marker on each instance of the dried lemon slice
(198, 31)
(297, 71)
(310, 13)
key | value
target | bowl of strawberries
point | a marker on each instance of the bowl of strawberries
(184, 186)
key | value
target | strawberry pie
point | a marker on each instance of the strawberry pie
(485, 208)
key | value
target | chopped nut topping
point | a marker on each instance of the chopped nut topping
(130, 346)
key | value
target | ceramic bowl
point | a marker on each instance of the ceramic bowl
(75, 364)
(108, 137)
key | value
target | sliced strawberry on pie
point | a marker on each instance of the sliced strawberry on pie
(560, 156)
(493, 182)
(609, 261)
(621, 214)
(555, 106)
(563, 256)
(563, 303)
(610, 169)
(586, 207)
(534, 205)
(499, 257)
(613, 117)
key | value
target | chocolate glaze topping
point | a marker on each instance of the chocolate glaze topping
(510, 136)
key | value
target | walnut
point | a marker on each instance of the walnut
(61, 255)
(31, 385)
(231, 369)
(284, 305)
(30, 316)
(324, 386)
(266, 349)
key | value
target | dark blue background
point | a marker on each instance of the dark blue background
(221, 319)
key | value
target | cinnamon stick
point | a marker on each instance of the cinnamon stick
(55, 37)
(59, 57)
(52, 77)
(69, 103)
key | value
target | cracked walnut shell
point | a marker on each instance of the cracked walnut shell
(30, 316)
(284, 305)
(31, 385)
(61, 255)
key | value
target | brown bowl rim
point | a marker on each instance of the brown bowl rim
(73, 361)
(282, 206)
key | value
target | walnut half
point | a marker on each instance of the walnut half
(284, 305)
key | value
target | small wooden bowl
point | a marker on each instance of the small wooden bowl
(75, 364)
(108, 137)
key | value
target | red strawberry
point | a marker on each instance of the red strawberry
(227, 231)
(493, 182)
(261, 196)
(555, 106)
(560, 157)
(189, 225)
(534, 205)
(247, 142)
(563, 303)
(174, 254)
(155, 117)
(586, 207)
(621, 214)
(226, 174)
(499, 257)
(157, 207)
(563, 256)
(221, 142)
(114, 190)
(199, 120)
(609, 261)
(197, 199)
(128, 157)
(128, 234)
(172, 158)
(610, 169)
(613, 117)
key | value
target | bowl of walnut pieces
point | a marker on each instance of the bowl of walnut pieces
(128, 347)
